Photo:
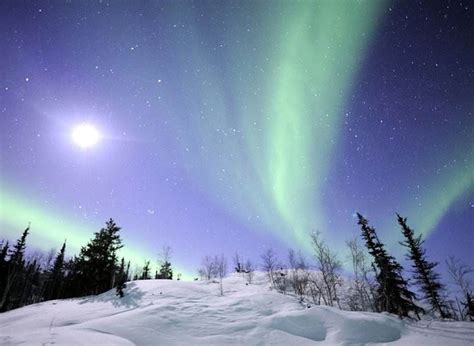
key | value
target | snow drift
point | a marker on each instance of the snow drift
(182, 313)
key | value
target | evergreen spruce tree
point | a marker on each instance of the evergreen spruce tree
(28, 288)
(166, 272)
(3, 267)
(146, 271)
(425, 276)
(96, 264)
(15, 269)
(121, 279)
(56, 278)
(4, 253)
(127, 272)
(71, 286)
(392, 293)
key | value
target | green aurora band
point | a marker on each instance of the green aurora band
(273, 168)
(49, 230)
(261, 148)
(439, 200)
(266, 142)
(322, 48)
(441, 194)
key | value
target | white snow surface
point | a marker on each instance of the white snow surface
(163, 312)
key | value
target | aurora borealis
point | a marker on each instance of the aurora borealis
(236, 126)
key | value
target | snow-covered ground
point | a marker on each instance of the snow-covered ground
(160, 312)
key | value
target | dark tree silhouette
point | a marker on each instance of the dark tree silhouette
(121, 279)
(30, 290)
(146, 271)
(425, 276)
(4, 253)
(14, 269)
(96, 264)
(34, 279)
(56, 279)
(166, 272)
(392, 293)
(469, 307)
(238, 265)
(3, 267)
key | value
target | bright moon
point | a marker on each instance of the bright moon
(85, 135)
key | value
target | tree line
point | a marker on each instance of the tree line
(378, 281)
(96, 269)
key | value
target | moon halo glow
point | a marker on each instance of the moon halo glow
(85, 135)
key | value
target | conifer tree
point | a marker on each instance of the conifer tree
(59, 261)
(71, 286)
(4, 253)
(3, 267)
(27, 290)
(15, 268)
(127, 272)
(18, 252)
(56, 279)
(392, 293)
(146, 271)
(96, 263)
(425, 276)
(121, 279)
(166, 272)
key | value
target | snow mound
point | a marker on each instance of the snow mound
(181, 313)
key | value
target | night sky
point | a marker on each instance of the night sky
(237, 125)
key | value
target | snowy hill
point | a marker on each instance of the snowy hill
(161, 312)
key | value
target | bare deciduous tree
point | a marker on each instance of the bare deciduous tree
(460, 273)
(201, 274)
(44, 259)
(164, 256)
(164, 263)
(214, 267)
(316, 291)
(238, 264)
(249, 271)
(220, 264)
(362, 298)
(292, 259)
(299, 277)
(329, 266)
(270, 264)
(207, 268)
(281, 281)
